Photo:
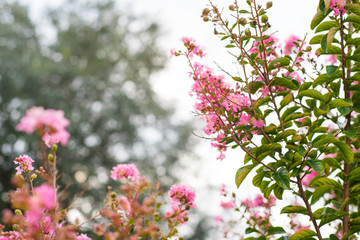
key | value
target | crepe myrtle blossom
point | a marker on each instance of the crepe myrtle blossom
(182, 194)
(43, 121)
(338, 6)
(125, 171)
(25, 164)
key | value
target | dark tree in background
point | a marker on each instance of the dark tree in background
(96, 68)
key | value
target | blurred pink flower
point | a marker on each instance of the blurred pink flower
(25, 164)
(44, 197)
(44, 121)
(228, 205)
(127, 171)
(289, 44)
(49, 140)
(259, 201)
(83, 237)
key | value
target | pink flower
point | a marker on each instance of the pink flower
(10, 235)
(128, 171)
(49, 140)
(218, 221)
(228, 205)
(289, 44)
(338, 6)
(176, 213)
(43, 121)
(259, 123)
(306, 180)
(182, 194)
(223, 189)
(259, 201)
(83, 237)
(24, 163)
(44, 197)
(331, 59)
(192, 47)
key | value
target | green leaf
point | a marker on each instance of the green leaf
(353, 18)
(317, 19)
(353, 8)
(325, 26)
(304, 86)
(282, 178)
(294, 209)
(283, 82)
(330, 70)
(289, 111)
(286, 100)
(339, 103)
(316, 39)
(266, 148)
(319, 192)
(284, 134)
(317, 165)
(255, 85)
(332, 50)
(275, 230)
(278, 191)
(330, 36)
(303, 234)
(351, 133)
(316, 182)
(312, 93)
(242, 173)
(230, 46)
(282, 60)
(346, 151)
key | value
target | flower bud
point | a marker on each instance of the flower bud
(205, 19)
(33, 176)
(54, 148)
(16, 227)
(269, 5)
(264, 18)
(253, 24)
(206, 11)
(232, 7)
(242, 21)
(18, 212)
(308, 48)
(186, 218)
(317, 53)
(233, 36)
(50, 157)
(247, 32)
(113, 195)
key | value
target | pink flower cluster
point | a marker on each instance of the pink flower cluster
(44, 121)
(25, 164)
(212, 95)
(181, 198)
(338, 6)
(182, 194)
(125, 171)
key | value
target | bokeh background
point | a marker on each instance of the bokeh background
(106, 64)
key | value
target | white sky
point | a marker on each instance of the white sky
(179, 18)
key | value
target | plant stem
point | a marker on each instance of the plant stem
(308, 207)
